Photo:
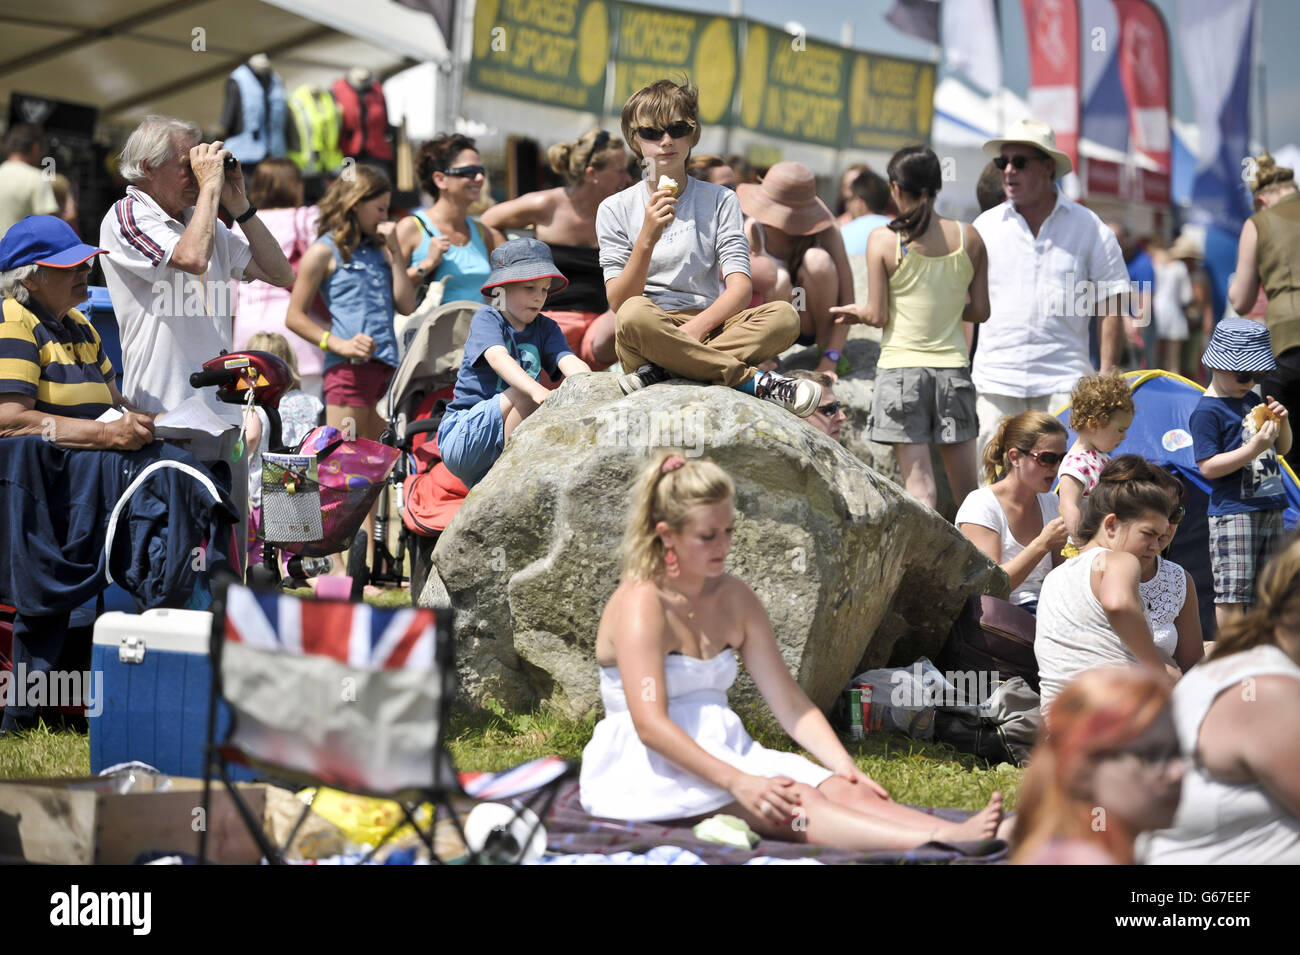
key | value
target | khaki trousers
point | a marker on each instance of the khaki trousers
(646, 334)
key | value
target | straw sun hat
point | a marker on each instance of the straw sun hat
(1030, 132)
(786, 200)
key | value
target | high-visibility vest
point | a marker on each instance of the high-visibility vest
(261, 132)
(317, 119)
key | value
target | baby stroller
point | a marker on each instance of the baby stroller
(427, 494)
(314, 499)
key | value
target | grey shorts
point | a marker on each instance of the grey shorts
(923, 406)
(1240, 546)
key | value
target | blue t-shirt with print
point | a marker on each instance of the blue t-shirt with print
(539, 346)
(1218, 425)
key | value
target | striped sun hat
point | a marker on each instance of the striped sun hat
(1240, 344)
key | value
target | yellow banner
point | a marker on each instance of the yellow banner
(551, 51)
(891, 102)
(653, 43)
(793, 87)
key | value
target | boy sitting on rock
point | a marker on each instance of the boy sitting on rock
(676, 266)
(509, 344)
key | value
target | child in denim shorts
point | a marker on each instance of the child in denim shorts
(1237, 449)
(510, 343)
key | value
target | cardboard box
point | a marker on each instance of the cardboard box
(66, 822)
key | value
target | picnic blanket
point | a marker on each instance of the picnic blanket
(572, 832)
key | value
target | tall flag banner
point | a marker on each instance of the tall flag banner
(972, 43)
(1218, 37)
(1144, 71)
(1053, 30)
(918, 18)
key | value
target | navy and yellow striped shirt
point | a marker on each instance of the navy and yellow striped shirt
(59, 363)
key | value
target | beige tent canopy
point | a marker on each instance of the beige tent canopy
(129, 58)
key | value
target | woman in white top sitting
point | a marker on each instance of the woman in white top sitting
(1016, 519)
(669, 746)
(1168, 592)
(1090, 610)
(1236, 715)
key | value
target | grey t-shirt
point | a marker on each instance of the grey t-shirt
(704, 243)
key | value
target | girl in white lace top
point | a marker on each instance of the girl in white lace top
(1167, 591)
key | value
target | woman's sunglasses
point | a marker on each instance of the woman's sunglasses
(1016, 162)
(1048, 459)
(678, 130)
(1178, 514)
(466, 172)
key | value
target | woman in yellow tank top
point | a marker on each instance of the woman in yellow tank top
(926, 275)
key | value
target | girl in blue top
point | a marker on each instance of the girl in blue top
(442, 242)
(351, 265)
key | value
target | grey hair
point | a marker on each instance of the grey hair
(154, 143)
(11, 283)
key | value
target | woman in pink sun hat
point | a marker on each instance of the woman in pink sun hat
(795, 244)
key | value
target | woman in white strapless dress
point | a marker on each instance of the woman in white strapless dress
(669, 746)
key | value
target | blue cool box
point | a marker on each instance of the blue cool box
(156, 686)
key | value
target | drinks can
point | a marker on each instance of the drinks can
(857, 728)
(865, 698)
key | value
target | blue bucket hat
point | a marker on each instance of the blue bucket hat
(1240, 344)
(44, 240)
(522, 260)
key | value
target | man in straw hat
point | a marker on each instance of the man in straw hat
(1053, 265)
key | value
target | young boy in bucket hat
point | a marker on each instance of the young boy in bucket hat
(510, 343)
(1237, 439)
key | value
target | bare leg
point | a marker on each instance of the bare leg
(602, 339)
(355, 421)
(763, 274)
(828, 823)
(821, 284)
(918, 478)
(959, 462)
(1225, 612)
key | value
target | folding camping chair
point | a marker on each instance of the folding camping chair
(356, 698)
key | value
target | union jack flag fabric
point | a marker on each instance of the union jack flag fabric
(358, 635)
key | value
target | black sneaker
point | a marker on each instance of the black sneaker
(644, 377)
(797, 395)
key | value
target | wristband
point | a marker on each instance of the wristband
(832, 353)
(248, 214)
(324, 341)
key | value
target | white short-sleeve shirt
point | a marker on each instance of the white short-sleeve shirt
(171, 322)
(1043, 292)
(982, 509)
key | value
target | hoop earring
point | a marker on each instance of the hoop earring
(670, 561)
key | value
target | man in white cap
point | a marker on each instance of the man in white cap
(1053, 265)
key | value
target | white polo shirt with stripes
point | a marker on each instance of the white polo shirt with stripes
(171, 322)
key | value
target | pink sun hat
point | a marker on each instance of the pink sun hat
(786, 200)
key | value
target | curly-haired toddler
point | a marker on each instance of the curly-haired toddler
(1101, 411)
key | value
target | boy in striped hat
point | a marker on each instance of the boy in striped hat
(1237, 440)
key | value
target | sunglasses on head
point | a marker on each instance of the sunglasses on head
(1015, 162)
(1048, 459)
(1179, 512)
(596, 144)
(465, 172)
(678, 130)
(830, 409)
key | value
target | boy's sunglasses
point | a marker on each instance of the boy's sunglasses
(830, 409)
(1246, 377)
(678, 130)
(466, 172)
(1016, 162)
(1048, 459)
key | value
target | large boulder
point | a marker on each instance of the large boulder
(853, 572)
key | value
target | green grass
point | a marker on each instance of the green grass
(913, 771)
